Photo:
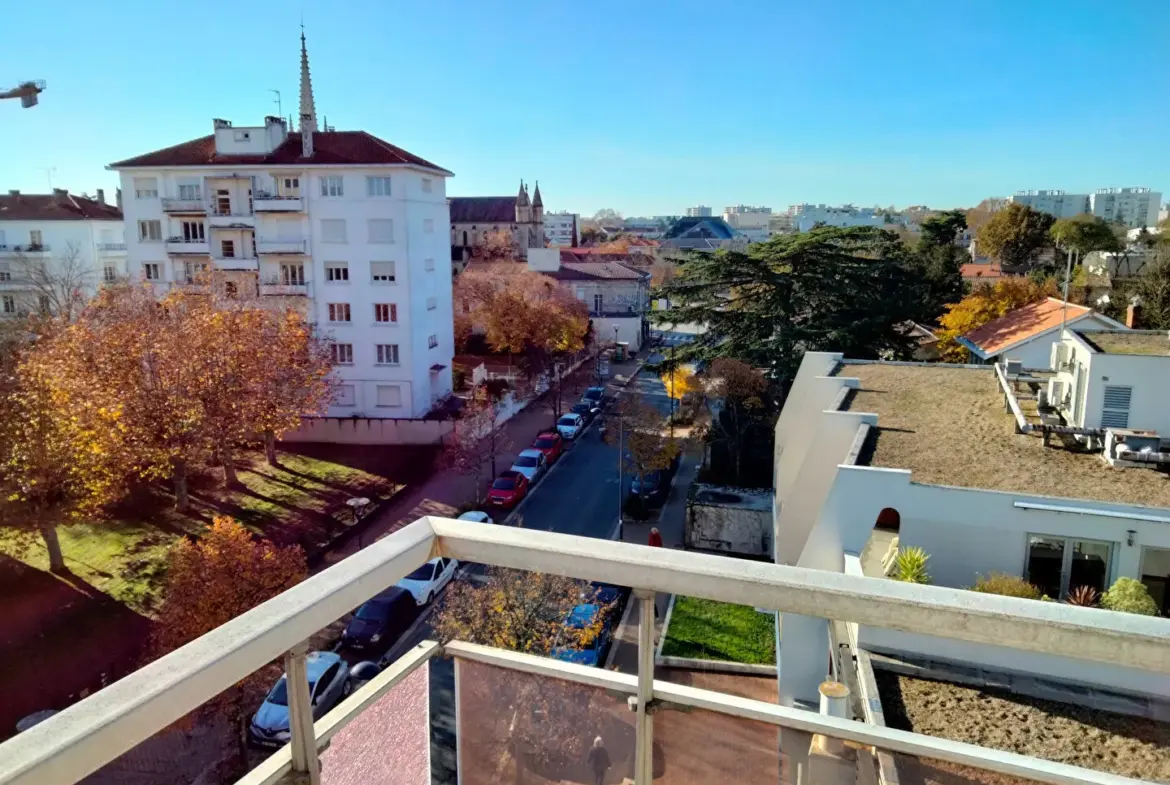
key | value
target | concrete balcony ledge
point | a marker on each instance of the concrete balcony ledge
(267, 203)
(286, 289)
(233, 220)
(27, 248)
(267, 246)
(111, 247)
(177, 245)
(187, 206)
(236, 262)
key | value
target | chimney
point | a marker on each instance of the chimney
(60, 196)
(118, 197)
(1133, 316)
(101, 196)
(306, 136)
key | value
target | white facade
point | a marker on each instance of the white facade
(698, 211)
(363, 248)
(807, 216)
(751, 222)
(1108, 389)
(94, 248)
(1135, 207)
(562, 229)
(1056, 203)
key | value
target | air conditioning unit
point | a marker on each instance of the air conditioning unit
(1013, 367)
(1055, 393)
(1059, 357)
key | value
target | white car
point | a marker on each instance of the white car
(531, 463)
(569, 426)
(475, 516)
(429, 579)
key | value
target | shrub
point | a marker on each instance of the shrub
(458, 378)
(1085, 596)
(910, 566)
(1129, 595)
(1007, 586)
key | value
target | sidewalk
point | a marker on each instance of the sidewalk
(447, 489)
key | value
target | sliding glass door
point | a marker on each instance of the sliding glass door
(1058, 565)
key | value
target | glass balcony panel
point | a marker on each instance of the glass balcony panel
(519, 727)
(697, 747)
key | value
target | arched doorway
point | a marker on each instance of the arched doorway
(888, 519)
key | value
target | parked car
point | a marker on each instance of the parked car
(475, 516)
(508, 489)
(596, 396)
(328, 684)
(587, 409)
(429, 579)
(654, 485)
(551, 444)
(590, 652)
(362, 673)
(531, 464)
(380, 621)
(569, 426)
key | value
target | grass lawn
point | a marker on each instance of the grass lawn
(708, 630)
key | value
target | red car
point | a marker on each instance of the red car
(551, 444)
(508, 489)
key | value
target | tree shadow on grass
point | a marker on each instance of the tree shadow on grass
(45, 621)
(398, 463)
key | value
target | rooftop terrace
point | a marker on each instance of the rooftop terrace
(1110, 342)
(948, 426)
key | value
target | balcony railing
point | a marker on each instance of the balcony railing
(286, 289)
(271, 203)
(184, 206)
(230, 219)
(282, 246)
(28, 248)
(236, 262)
(641, 718)
(181, 245)
(111, 247)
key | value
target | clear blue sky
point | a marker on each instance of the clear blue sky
(646, 107)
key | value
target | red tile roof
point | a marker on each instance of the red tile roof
(329, 148)
(988, 272)
(55, 207)
(1023, 323)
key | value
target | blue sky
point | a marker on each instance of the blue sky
(645, 107)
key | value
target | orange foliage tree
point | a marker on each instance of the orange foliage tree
(984, 303)
(210, 582)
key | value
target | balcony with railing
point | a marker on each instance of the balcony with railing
(187, 246)
(520, 718)
(29, 249)
(238, 262)
(111, 248)
(281, 246)
(184, 206)
(267, 202)
(288, 287)
(230, 217)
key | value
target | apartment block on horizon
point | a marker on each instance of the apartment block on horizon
(342, 225)
(1134, 207)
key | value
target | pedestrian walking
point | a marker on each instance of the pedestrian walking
(655, 538)
(599, 762)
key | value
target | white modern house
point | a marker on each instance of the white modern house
(341, 224)
(1028, 333)
(964, 462)
(77, 241)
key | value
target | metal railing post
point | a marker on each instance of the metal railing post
(644, 723)
(306, 768)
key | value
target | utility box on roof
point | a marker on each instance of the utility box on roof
(729, 520)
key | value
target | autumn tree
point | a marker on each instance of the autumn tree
(57, 285)
(1152, 289)
(476, 440)
(642, 433)
(494, 247)
(214, 579)
(985, 303)
(982, 212)
(607, 215)
(1084, 233)
(737, 399)
(1016, 235)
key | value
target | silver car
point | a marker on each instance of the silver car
(531, 463)
(328, 684)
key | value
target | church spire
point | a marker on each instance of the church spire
(522, 197)
(308, 118)
(536, 200)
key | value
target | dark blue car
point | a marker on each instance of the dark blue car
(380, 622)
(583, 617)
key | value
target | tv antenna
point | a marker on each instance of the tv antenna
(49, 176)
(279, 108)
(27, 92)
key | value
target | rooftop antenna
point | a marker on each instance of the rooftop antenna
(27, 92)
(49, 176)
(279, 108)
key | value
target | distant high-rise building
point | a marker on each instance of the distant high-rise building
(1135, 207)
(699, 211)
(561, 229)
(1056, 203)
(751, 222)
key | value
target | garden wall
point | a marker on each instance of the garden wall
(370, 430)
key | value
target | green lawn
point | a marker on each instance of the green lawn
(708, 630)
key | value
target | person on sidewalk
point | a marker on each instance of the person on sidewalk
(598, 760)
(655, 537)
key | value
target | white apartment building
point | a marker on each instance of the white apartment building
(1135, 207)
(751, 222)
(562, 229)
(77, 240)
(1056, 203)
(698, 211)
(806, 216)
(341, 224)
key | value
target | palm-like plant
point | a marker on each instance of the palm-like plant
(1085, 596)
(910, 565)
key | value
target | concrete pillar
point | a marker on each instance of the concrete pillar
(804, 658)
(644, 723)
(300, 716)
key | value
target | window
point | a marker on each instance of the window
(426, 185)
(432, 341)
(333, 230)
(227, 249)
(341, 353)
(381, 230)
(289, 186)
(152, 271)
(292, 274)
(382, 272)
(1115, 408)
(344, 395)
(387, 353)
(332, 186)
(193, 232)
(377, 186)
(598, 302)
(109, 273)
(339, 312)
(389, 395)
(385, 312)
(35, 238)
(1057, 565)
(194, 271)
(432, 303)
(145, 188)
(189, 192)
(429, 265)
(242, 136)
(150, 231)
(336, 271)
(8, 304)
(43, 306)
(581, 293)
(428, 225)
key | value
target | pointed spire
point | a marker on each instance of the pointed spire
(308, 109)
(522, 197)
(536, 200)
